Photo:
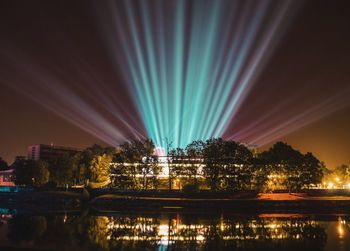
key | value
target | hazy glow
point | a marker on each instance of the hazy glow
(187, 67)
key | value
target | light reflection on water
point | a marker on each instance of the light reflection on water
(173, 231)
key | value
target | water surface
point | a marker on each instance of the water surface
(174, 231)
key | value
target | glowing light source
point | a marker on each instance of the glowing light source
(340, 231)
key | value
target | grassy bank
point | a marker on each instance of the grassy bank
(116, 200)
(264, 204)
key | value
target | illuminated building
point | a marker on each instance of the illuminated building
(6, 178)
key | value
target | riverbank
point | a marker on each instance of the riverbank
(108, 200)
(263, 203)
(41, 201)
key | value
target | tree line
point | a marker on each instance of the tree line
(215, 164)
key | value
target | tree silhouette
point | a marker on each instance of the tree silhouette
(3, 164)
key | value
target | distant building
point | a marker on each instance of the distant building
(49, 152)
(6, 178)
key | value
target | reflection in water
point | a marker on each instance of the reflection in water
(169, 231)
(26, 229)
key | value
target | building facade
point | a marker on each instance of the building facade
(6, 178)
(49, 152)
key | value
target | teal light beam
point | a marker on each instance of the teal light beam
(147, 102)
(255, 66)
(232, 70)
(190, 64)
(206, 66)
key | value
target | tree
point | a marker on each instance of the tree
(284, 165)
(121, 175)
(290, 168)
(213, 168)
(66, 171)
(149, 165)
(239, 170)
(129, 157)
(3, 164)
(176, 159)
(339, 177)
(124, 170)
(194, 154)
(259, 172)
(100, 170)
(138, 166)
(228, 165)
(31, 172)
(122, 178)
(311, 170)
(82, 161)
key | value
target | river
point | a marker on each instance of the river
(173, 231)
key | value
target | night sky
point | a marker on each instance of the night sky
(303, 86)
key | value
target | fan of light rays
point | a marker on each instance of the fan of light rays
(190, 64)
(84, 102)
